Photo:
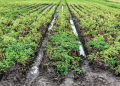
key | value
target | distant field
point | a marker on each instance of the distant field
(115, 0)
(23, 0)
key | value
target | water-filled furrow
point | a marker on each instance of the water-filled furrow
(52, 22)
(31, 7)
(52, 7)
(62, 8)
(21, 8)
(82, 52)
(44, 7)
(34, 70)
(37, 8)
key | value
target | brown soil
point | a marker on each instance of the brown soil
(98, 74)
(16, 75)
(13, 77)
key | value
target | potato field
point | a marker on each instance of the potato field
(59, 43)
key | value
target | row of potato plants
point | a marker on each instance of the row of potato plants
(62, 46)
(101, 2)
(17, 11)
(103, 32)
(11, 9)
(8, 25)
(7, 21)
(18, 48)
(14, 6)
(104, 9)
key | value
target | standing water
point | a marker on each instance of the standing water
(62, 8)
(82, 52)
(75, 32)
(34, 71)
(94, 76)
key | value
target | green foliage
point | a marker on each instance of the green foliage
(91, 57)
(19, 38)
(63, 43)
(112, 61)
(62, 46)
(79, 71)
(117, 70)
(97, 44)
(16, 14)
(101, 26)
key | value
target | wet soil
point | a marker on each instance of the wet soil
(96, 74)
(13, 77)
(16, 75)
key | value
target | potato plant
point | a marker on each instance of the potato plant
(62, 46)
(102, 28)
(20, 40)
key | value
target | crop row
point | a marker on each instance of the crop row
(106, 3)
(62, 46)
(11, 10)
(5, 11)
(13, 6)
(19, 44)
(102, 29)
(104, 10)
(8, 25)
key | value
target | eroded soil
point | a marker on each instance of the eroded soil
(96, 74)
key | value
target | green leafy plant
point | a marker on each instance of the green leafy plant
(97, 44)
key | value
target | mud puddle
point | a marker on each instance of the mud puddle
(62, 8)
(92, 76)
(34, 71)
(14, 76)
(98, 74)
(82, 52)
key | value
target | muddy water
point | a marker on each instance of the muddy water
(52, 8)
(82, 52)
(62, 8)
(52, 22)
(94, 75)
(34, 71)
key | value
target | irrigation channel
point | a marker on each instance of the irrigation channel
(92, 76)
(34, 71)
(99, 75)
